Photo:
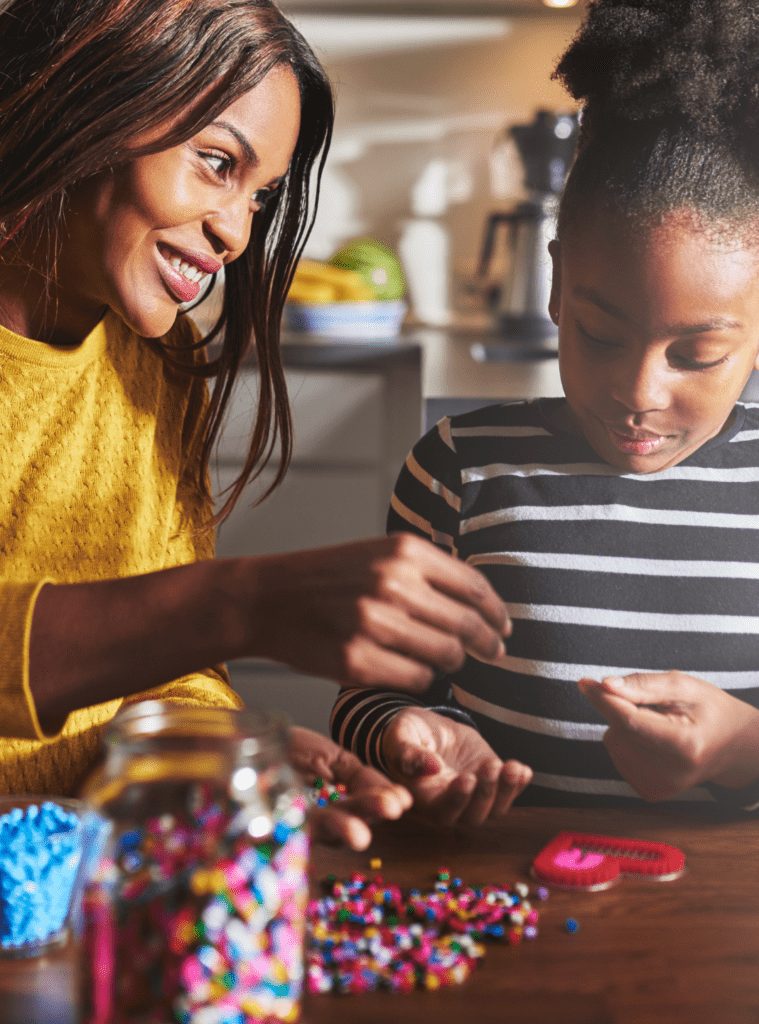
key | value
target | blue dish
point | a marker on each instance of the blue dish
(369, 321)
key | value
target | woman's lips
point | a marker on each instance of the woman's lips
(182, 273)
(636, 444)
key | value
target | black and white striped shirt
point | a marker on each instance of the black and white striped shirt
(604, 572)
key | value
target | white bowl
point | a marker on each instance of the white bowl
(367, 320)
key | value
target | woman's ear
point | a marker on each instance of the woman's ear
(554, 303)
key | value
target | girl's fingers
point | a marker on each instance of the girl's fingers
(448, 808)
(645, 722)
(514, 778)
(484, 794)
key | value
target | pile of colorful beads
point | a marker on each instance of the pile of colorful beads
(199, 916)
(366, 935)
(40, 851)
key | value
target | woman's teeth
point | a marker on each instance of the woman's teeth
(187, 270)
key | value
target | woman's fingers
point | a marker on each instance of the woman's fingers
(458, 580)
(450, 628)
(515, 777)
(334, 828)
(381, 612)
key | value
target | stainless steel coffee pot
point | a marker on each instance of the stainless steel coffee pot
(520, 306)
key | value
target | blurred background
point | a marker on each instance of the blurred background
(426, 94)
(448, 122)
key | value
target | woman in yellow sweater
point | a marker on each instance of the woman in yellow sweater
(144, 145)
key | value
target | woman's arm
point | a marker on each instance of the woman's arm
(382, 612)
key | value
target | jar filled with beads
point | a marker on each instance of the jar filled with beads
(196, 913)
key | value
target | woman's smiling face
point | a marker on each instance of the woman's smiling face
(143, 237)
(658, 334)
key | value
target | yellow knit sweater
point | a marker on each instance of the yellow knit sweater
(95, 483)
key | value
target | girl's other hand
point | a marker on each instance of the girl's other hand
(452, 773)
(370, 797)
(669, 731)
(384, 612)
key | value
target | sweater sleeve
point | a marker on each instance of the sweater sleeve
(190, 541)
(17, 601)
(426, 501)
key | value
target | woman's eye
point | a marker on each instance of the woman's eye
(262, 196)
(220, 163)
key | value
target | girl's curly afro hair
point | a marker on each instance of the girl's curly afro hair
(670, 96)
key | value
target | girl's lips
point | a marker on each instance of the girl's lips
(631, 444)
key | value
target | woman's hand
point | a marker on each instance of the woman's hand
(669, 731)
(385, 612)
(452, 773)
(371, 796)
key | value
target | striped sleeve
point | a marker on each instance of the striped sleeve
(427, 502)
(359, 719)
(427, 495)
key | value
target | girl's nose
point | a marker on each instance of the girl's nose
(229, 224)
(640, 383)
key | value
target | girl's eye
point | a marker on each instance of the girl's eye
(594, 341)
(693, 364)
(220, 163)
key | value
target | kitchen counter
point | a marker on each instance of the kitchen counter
(448, 368)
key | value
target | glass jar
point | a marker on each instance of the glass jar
(196, 912)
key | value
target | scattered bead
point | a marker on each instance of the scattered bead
(364, 934)
(571, 925)
(322, 793)
(541, 892)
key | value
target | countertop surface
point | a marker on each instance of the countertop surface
(444, 355)
(449, 367)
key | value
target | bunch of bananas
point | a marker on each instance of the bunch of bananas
(316, 282)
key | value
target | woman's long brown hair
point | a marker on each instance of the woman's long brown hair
(81, 79)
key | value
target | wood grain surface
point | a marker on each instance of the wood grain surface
(680, 952)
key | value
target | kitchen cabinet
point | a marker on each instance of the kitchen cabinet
(356, 412)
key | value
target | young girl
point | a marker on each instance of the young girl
(620, 523)
(144, 144)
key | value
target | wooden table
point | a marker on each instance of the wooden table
(685, 951)
(681, 952)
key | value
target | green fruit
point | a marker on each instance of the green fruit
(377, 264)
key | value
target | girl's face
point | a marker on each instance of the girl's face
(143, 237)
(658, 334)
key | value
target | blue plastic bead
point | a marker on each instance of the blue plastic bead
(571, 925)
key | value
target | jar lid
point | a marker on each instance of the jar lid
(255, 730)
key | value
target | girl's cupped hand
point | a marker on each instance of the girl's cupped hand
(451, 771)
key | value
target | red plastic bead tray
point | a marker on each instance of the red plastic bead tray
(575, 860)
